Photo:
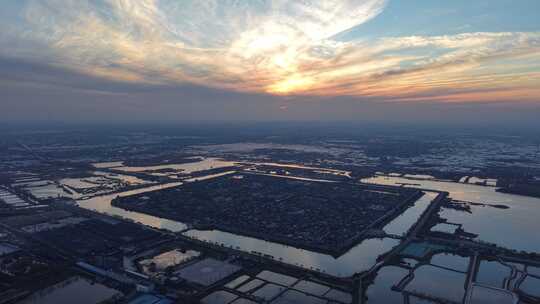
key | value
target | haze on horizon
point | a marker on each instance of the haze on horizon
(382, 60)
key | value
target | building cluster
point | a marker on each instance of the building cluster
(303, 213)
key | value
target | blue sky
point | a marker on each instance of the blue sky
(438, 17)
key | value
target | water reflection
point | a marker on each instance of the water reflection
(452, 261)
(359, 258)
(429, 280)
(407, 219)
(381, 291)
(492, 224)
(493, 273)
(514, 228)
(75, 290)
(186, 168)
(487, 295)
(102, 204)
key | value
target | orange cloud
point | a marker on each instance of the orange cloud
(282, 47)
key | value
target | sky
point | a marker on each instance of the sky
(189, 60)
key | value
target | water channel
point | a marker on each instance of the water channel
(514, 228)
(361, 257)
(517, 225)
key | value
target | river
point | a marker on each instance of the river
(514, 228)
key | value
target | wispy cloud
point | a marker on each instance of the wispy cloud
(277, 47)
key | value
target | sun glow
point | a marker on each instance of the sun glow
(278, 47)
(292, 84)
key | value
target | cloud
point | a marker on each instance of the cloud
(278, 47)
